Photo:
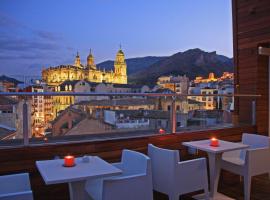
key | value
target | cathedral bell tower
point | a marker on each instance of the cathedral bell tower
(77, 62)
(91, 61)
(120, 67)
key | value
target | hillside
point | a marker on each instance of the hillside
(134, 64)
(193, 62)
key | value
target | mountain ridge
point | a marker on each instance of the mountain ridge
(192, 63)
(133, 64)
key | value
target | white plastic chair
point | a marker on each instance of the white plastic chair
(174, 178)
(249, 162)
(15, 187)
(135, 183)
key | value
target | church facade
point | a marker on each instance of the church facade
(54, 76)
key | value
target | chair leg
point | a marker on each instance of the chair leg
(247, 186)
(206, 196)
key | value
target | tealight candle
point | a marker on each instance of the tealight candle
(69, 161)
(161, 131)
(214, 142)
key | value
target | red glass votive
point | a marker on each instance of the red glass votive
(214, 142)
(161, 131)
(69, 161)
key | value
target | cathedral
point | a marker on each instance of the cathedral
(54, 76)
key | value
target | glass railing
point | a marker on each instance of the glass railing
(42, 118)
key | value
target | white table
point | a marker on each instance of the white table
(53, 172)
(214, 156)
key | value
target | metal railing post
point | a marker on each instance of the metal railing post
(173, 116)
(253, 104)
(25, 123)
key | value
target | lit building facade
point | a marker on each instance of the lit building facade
(54, 76)
(177, 84)
(211, 78)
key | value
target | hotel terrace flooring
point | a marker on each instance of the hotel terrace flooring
(231, 185)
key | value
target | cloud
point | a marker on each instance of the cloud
(8, 22)
(25, 44)
(47, 35)
(26, 49)
(15, 36)
(28, 56)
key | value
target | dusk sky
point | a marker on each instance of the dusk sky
(37, 33)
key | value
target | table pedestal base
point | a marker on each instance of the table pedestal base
(77, 191)
(214, 170)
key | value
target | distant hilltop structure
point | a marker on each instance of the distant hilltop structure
(212, 78)
(54, 76)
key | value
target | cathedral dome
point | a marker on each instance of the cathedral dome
(120, 57)
(90, 56)
(120, 52)
(90, 60)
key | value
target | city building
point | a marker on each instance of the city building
(95, 107)
(177, 84)
(62, 102)
(11, 117)
(54, 76)
(143, 119)
(38, 111)
(210, 101)
(8, 84)
(8, 109)
(66, 120)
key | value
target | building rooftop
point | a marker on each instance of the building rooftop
(118, 102)
(7, 101)
(149, 114)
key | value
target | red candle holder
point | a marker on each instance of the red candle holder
(161, 131)
(69, 161)
(214, 142)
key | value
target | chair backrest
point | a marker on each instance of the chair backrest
(134, 183)
(135, 163)
(14, 183)
(254, 141)
(163, 163)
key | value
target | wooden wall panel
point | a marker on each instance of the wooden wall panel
(251, 28)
